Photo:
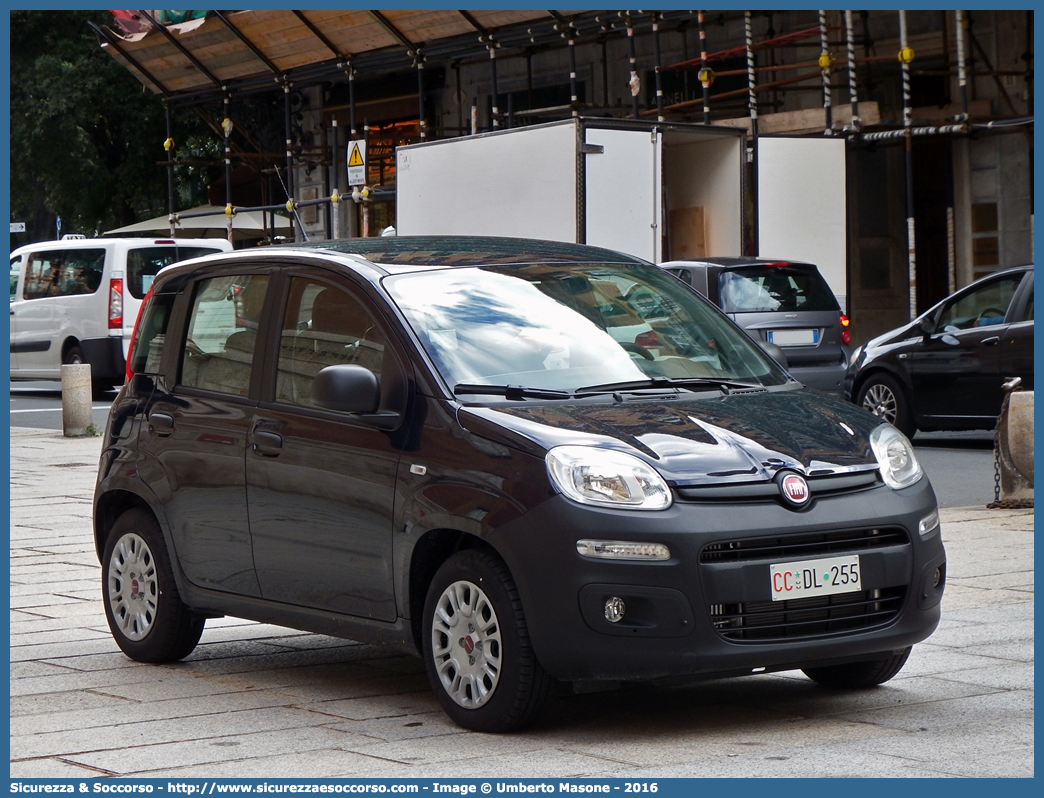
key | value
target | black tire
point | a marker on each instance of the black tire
(73, 356)
(99, 388)
(883, 396)
(102, 390)
(142, 606)
(857, 675)
(502, 685)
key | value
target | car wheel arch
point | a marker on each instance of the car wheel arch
(429, 552)
(70, 343)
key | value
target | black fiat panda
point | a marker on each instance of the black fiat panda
(476, 449)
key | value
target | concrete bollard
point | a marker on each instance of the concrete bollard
(76, 399)
(1015, 449)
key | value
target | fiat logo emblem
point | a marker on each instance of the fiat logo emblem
(795, 490)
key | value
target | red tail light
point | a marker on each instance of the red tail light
(647, 339)
(134, 337)
(846, 334)
(115, 304)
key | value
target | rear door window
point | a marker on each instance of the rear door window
(143, 264)
(63, 272)
(222, 333)
(774, 288)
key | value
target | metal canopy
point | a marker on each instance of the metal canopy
(246, 50)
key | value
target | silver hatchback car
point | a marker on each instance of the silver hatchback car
(779, 302)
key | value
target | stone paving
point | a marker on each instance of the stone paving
(256, 700)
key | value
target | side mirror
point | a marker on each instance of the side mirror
(347, 389)
(926, 326)
(355, 390)
(775, 352)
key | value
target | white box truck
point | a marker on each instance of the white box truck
(655, 190)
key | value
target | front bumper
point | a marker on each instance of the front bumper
(704, 613)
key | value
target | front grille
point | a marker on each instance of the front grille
(803, 546)
(772, 621)
(821, 486)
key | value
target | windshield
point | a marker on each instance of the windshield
(566, 326)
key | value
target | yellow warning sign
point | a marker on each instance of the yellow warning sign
(356, 159)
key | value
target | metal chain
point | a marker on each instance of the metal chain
(996, 465)
(1007, 504)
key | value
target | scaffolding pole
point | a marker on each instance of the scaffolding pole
(656, 67)
(852, 96)
(906, 55)
(706, 76)
(168, 145)
(962, 75)
(824, 64)
(752, 150)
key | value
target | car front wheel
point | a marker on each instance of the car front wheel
(882, 395)
(477, 652)
(142, 606)
(856, 675)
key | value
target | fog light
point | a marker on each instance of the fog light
(937, 577)
(928, 524)
(622, 550)
(615, 609)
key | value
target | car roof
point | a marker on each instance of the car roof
(394, 254)
(732, 262)
(129, 242)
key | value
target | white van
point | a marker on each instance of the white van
(76, 301)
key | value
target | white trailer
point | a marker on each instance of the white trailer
(654, 190)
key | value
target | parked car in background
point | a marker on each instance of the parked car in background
(453, 447)
(946, 368)
(780, 302)
(76, 300)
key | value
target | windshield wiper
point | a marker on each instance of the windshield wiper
(509, 391)
(687, 383)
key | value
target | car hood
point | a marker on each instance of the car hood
(697, 441)
(908, 333)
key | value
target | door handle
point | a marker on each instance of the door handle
(161, 424)
(993, 340)
(266, 443)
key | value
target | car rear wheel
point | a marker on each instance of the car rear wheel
(142, 606)
(74, 357)
(477, 652)
(856, 675)
(884, 397)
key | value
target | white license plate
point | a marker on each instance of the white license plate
(793, 337)
(811, 578)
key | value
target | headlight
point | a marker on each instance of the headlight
(855, 355)
(895, 454)
(606, 478)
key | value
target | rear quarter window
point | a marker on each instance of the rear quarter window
(782, 288)
(150, 335)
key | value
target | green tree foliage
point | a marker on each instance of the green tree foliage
(86, 137)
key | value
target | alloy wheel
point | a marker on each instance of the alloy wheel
(132, 586)
(880, 401)
(466, 644)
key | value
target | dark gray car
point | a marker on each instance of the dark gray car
(780, 302)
